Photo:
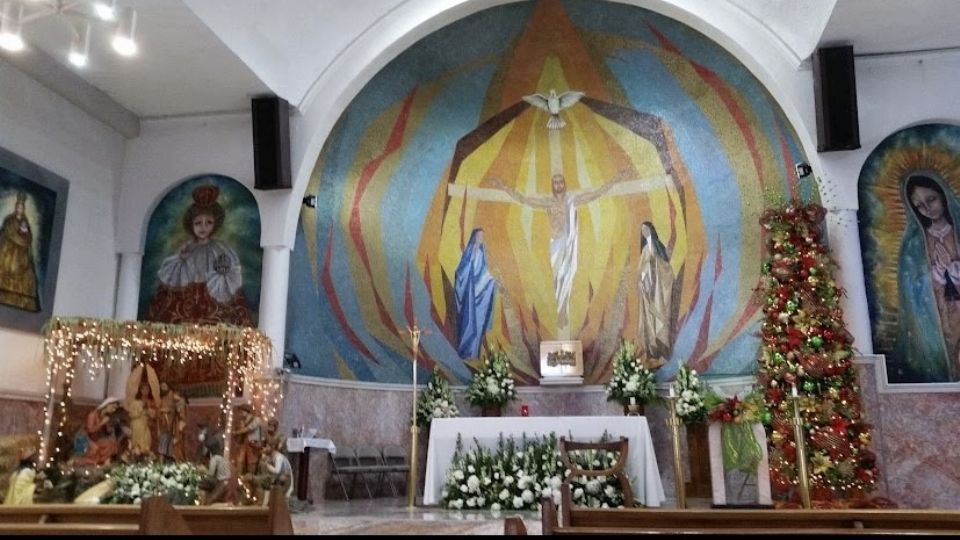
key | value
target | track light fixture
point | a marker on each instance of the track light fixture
(83, 16)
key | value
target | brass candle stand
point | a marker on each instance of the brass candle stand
(800, 440)
(412, 476)
(674, 422)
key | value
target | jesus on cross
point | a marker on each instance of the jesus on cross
(561, 207)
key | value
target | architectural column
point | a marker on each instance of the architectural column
(125, 309)
(844, 235)
(273, 298)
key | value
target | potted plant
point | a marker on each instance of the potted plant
(633, 383)
(492, 386)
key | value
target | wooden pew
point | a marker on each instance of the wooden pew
(579, 520)
(154, 516)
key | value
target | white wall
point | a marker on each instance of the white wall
(44, 128)
(166, 152)
(894, 92)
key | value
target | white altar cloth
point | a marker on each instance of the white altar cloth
(641, 461)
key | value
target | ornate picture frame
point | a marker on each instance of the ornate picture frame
(33, 205)
(561, 359)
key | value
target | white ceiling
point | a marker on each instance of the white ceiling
(203, 56)
(887, 26)
(181, 67)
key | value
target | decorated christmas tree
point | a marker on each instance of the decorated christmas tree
(806, 344)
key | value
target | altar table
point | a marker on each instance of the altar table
(641, 461)
(302, 446)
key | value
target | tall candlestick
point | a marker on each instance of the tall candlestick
(673, 392)
(674, 422)
(412, 480)
(802, 476)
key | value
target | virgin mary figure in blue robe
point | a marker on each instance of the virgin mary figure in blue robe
(475, 289)
(928, 330)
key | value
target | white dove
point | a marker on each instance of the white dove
(554, 104)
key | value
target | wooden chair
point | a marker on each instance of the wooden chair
(617, 471)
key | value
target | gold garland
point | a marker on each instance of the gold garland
(98, 344)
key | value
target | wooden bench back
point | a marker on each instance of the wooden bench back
(575, 520)
(154, 516)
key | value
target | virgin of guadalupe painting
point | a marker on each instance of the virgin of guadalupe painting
(909, 205)
(32, 209)
(202, 265)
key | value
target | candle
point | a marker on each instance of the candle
(794, 391)
(673, 392)
(633, 401)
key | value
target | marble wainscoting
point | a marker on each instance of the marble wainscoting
(915, 436)
(364, 414)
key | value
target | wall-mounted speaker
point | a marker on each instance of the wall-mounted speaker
(835, 97)
(271, 142)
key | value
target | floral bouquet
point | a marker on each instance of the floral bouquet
(632, 381)
(177, 482)
(436, 401)
(492, 385)
(517, 477)
(690, 390)
(741, 451)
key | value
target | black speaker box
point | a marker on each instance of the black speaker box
(835, 97)
(271, 143)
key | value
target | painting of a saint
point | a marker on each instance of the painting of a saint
(656, 296)
(202, 281)
(475, 292)
(911, 252)
(201, 265)
(18, 272)
(928, 340)
(32, 213)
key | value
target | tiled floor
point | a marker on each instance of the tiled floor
(393, 516)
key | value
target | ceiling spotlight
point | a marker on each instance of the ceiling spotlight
(123, 41)
(10, 38)
(106, 10)
(80, 48)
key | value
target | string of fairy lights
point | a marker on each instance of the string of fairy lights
(98, 345)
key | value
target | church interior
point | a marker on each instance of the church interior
(479, 266)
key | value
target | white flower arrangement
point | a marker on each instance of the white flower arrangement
(518, 477)
(176, 481)
(690, 392)
(492, 385)
(436, 401)
(632, 381)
